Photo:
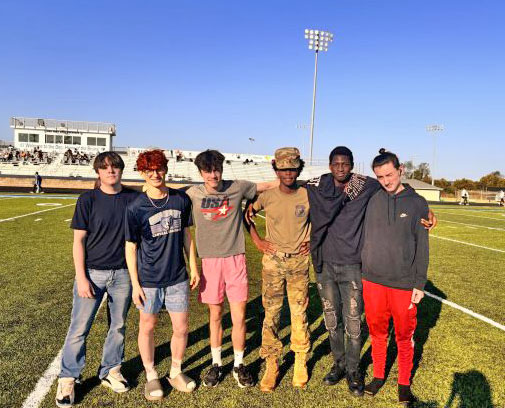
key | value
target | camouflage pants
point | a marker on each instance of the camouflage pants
(293, 274)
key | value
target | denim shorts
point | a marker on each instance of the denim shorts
(175, 298)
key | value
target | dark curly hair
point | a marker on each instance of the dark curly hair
(209, 160)
(152, 159)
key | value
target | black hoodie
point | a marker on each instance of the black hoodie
(336, 215)
(396, 249)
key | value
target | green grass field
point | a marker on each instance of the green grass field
(459, 359)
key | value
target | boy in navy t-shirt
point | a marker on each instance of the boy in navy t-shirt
(100, 268)
(157, 234)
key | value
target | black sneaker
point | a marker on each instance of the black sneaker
(374, 386)
(243, 376)
(405, 395)
(214, 376)
(356, 384)
(335, 375)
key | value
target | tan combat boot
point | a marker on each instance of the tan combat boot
(269, 380)
(300, 376)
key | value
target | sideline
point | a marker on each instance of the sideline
(470, 215)
(468, 243)
(474, 225)
(36, 196)
(36, 212)
(46, 381)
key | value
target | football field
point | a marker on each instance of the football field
(459, 351)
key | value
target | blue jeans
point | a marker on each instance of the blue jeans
(117, 285)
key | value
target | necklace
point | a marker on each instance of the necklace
(154, 205)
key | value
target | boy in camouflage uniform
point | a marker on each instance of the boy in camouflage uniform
(285, 264)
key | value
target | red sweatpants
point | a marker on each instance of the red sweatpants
(382, 303)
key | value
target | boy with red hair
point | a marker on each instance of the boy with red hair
(157, 235)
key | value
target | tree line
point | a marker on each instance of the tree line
(422, 172)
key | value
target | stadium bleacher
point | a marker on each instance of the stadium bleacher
(180, 166)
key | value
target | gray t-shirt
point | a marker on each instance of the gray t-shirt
(218, 218)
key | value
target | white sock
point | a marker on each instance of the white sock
(239, 357)
(175, 369)
(216, 356)
(151, 374)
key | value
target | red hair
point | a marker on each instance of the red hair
(152, 159)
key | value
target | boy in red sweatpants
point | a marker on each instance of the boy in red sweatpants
(395, 260)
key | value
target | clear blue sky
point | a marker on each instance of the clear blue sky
(201, 74)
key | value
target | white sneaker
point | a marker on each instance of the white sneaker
(115, 380)
(65, 394)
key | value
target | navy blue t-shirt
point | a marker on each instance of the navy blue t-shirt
(159, 235)
(102, 216)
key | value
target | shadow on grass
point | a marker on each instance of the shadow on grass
(254, 321)
(473, 390)
(428, 313)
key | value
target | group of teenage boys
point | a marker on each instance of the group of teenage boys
(368, 240)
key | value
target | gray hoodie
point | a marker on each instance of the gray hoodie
(396, 248)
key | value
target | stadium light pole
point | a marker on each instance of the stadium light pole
(303, 126)
(318, 41)
(434, 129)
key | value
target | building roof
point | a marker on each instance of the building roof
(420, 185)
(58, 124)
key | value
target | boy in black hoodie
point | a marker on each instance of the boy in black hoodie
(395, 259)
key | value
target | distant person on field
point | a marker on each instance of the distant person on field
(285, 266)
(464, 197)
(157, 235)
(395, 259)
(37, 183)
(217, 213)
(501, 198)
(100, 268)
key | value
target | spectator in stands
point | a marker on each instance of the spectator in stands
(157, 233)
(217, 213)
(100, 267)
(395, 259)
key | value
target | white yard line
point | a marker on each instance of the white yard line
(7, 198)
(36, 212)
(69, 219)
(470, 215)
(473, 225)
(468, 243)
(46, 381)
(467, 311)
(38, 219)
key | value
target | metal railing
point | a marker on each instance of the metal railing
(57, 124)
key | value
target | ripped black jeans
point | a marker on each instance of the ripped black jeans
(341, 293)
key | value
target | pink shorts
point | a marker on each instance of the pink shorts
(220, 275)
